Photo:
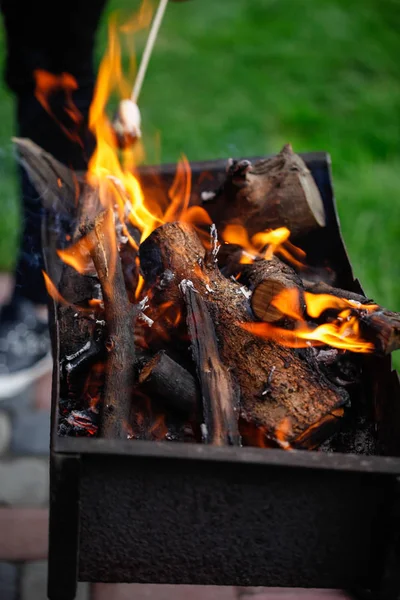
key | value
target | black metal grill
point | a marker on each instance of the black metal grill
(163, 512)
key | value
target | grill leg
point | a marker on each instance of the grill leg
(64, 527)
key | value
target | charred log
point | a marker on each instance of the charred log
(120, 315)
(298, 393)
(163, 379)
(219, 391)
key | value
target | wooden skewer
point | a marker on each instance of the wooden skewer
(127, 121)
(153, 33)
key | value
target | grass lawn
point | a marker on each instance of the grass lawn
(241, 77)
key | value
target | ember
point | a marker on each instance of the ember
(167, 335)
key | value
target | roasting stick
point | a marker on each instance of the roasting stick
(127, 122)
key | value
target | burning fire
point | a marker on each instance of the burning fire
(264, 245)
(343, 332)
(110, 170)
(47, 85)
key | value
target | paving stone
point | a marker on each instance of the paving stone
(5, 433)
(263, 593)
(34, 583)
(31, 432)
(136, 591)
(8, 581)
(24, 534)
(24, 482)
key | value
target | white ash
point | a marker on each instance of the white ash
(146, 319)
(101, 322)
(215, 246)
(243, 290)
(186, 284)
(204, 432)
(206, 196)
(99, 295)
(166, 279)
(79, 352)
(209, 289)
(143, 304)
(269, 381)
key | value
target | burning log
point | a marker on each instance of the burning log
(272, 193)
(120, 315)
(219, 391)
(266, 279)
(163, 378)
(276, 385)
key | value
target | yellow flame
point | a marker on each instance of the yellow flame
(264, 244)
(342, 333)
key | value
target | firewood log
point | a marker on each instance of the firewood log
(119, 315)
(58, 186)
(219, 390)
(276, 192)
(276, 385)
(266, 279)
(163, 379)
(381, 327)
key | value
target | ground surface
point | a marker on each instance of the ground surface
(241, 78)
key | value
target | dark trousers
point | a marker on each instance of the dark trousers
(57, 37)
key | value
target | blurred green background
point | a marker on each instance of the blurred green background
(243, 77)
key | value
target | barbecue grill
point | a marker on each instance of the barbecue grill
(173, 513)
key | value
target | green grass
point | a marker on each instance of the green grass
(243, 77)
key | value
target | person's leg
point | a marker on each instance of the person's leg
(59, 39)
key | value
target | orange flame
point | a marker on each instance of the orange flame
(282, 432)
(77, 257)
(342, 333)
(47, 84)
(264, 244)
(53, 291)
(111, 172)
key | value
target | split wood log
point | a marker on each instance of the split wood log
(120, 316)
(272, 193)
(161, 378)
(276, 385)
(219, 391)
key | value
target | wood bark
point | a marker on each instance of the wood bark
(219, 391)
(276, 385)
(272, 193)
(163, 379)
(119, 316)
